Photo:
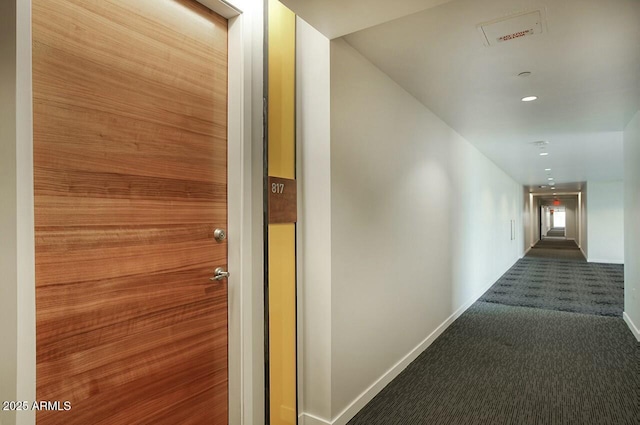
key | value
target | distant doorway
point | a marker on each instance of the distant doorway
(553, 222)
(560, 219)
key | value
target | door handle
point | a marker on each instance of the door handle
(219, 273)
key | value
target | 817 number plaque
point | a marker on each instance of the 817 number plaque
(283, 200)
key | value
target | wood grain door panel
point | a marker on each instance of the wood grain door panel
(130, 178)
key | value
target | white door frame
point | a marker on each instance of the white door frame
(245, 208)
(235, 212)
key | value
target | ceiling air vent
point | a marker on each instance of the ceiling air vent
(512, 27)
(540, 143)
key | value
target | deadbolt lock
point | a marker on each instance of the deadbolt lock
(219, 235)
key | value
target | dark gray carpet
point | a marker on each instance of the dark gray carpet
(501, 364)
(560, 249)
(556, 231)
(564, 285)
(556, 244)
(559, 254)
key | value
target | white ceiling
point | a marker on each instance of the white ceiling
(585, 70)
(335, 18)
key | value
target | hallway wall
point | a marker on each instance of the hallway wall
(571, 226)
(420, 227)
(536, 220)
(314, 220)
(546, 220)
(527, 221)
(632, 223)
(605, 225)
(584, 221)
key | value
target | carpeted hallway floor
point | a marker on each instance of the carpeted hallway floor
(564, 285)
(558, 249)
(556, 232)
(520, 359)
(500, 364)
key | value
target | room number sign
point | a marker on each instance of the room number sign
(277, 188)
(283, 200)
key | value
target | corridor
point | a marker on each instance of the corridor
(546, 344)
(295, 212)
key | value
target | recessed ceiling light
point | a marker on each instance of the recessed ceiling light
(547, 169)
(544, 153)
(550, 178)
(529, 98)
(553, 188)
(554, 193)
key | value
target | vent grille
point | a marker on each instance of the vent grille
(512, 27)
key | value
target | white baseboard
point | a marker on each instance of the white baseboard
(308, 419)
(607, 261)
(526, 252)
(632, 326)
(367, 395)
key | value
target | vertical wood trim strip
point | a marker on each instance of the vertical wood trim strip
(281, 237)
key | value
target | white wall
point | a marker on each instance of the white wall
(578, 219)
(571, 218)
(420, 227)
(605, 225)
(632, 224)
(546, 221)
(314, 221)
(527, 219)
(571, 210)
(536, 220)
(584, 221)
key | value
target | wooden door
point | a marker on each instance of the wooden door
(130, 152)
